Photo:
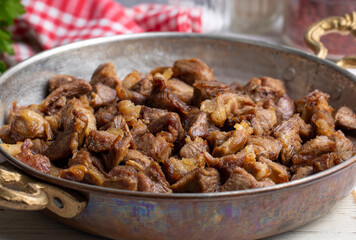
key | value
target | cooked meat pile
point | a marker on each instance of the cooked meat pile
(177, 129)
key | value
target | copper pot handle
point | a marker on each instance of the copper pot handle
(20, 192)
(343, 25)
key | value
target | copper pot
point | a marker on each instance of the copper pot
(119, 214)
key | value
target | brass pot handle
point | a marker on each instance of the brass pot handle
(21, 192)
(343, 25)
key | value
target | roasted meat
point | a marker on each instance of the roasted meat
(199, 180)
(105, 74)
(102, 95)
(177, 130)
(225, 106)
(57, 99)
(207, 90)
(36, 161)
(181, 90)
(191, 70)
(346, 118)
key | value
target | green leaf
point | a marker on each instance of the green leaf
(5, 42)
(9, 10)
(2, 67)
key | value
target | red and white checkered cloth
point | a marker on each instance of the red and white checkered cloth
(51, 23)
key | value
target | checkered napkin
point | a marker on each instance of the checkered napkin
(51, 23)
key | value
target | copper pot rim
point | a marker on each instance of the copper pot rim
(240, 193)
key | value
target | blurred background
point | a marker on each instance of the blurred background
(282, 21)
(45, 24)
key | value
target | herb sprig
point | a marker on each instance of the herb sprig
(9, 10)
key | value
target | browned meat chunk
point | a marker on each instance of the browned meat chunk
(169, 123)
(261, 120)
(105, 74)
(265, 146)
(54, 101)
(259, 170)
(137, 160)
(122, 177)
(302, 172)
(239, 180)
(120, 129)
(5, 134)
(76, 123)
(313, 149)
(217, 138)
(279, 173)
(315, 101)
(201, 126)
(165, 75)
(84, 167)
(237, 87)
(285, 107)
(236, 142)
(160, 70)
(153, 180)
(273, 83)
(305, 130)
(194, 148)
(94, 177)
(118, 151)
(75, 173)
(105, 114)
(99, 141)
(138, 130)
(346, 118)
(118, 122)
(39, 146)
(39, 162)
(131, 79)
(25, 123)
(13, 149)
(190, 70)
(265, 89)
(151, 114)
(126, 94)
(155, 147)
(175, 168)
(199, 180)
(102, 95)
(129, 111)
(59, 80)
(181, 90)
(143, 87)
(162, 97)
(288, 134)
(227, 164)
(343, 146)
(323, 123)
(225, 106)
(208, 90)
(314, 107)
(326, 161)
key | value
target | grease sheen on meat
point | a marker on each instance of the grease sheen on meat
(177, 129)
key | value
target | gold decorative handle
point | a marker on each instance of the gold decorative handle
(343, 25)
(21, 192)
